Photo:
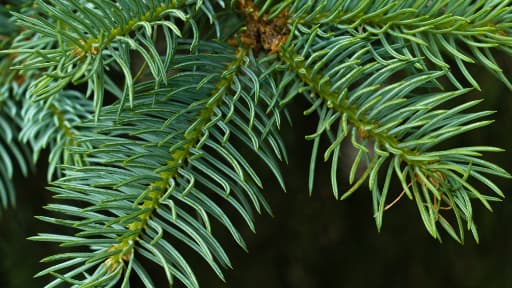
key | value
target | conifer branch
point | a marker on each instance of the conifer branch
(70, 48)
(464, 31)
(179, 159)
(190, 126)
(148, 199)
(54, 126)
(358, 98)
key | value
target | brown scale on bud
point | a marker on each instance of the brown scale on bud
(19, 78)
(362, 133)
(81, 52)
(260, 33)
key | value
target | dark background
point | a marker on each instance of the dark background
(317, 241)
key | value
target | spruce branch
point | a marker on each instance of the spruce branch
(127, 218)
(465, 31)
(392, 124)
(13, 154)
(170, 172)
(143, 177)
(55, 126)
(70, 48)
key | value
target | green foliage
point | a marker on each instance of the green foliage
(13, 154)
(195, 122)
